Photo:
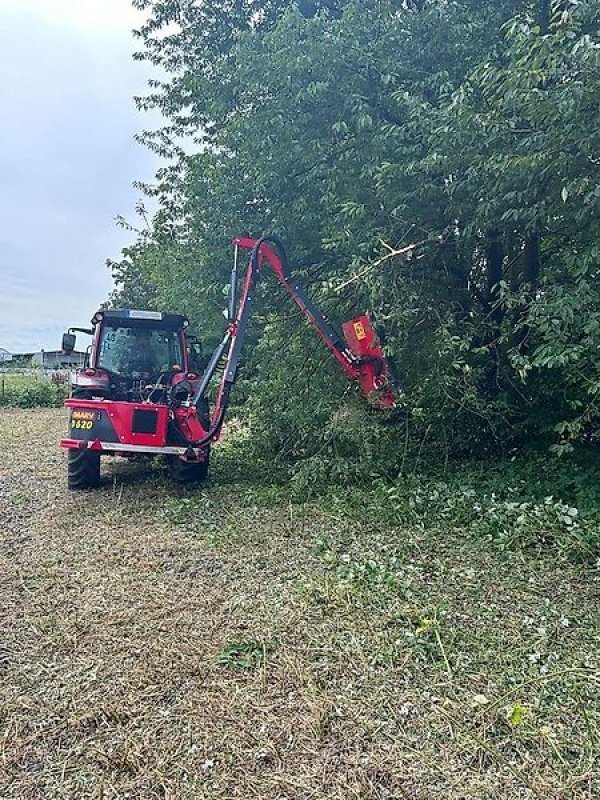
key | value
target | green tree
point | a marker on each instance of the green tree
(470, 127)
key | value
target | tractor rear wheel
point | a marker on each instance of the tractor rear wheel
(188, 471)
(83, 469)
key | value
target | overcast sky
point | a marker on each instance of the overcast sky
(67, 160)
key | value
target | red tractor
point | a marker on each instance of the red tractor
(139, 394)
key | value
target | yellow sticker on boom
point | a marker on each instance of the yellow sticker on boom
(359, 330)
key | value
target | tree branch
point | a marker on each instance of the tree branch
(392, 253)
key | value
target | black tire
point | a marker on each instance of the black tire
(188, 471)
(83, 469)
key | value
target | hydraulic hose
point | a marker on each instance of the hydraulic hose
(214, 429)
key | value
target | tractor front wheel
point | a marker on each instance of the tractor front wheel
(83, 469)
(184, 471)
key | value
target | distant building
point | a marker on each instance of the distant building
(56, 359)
(22, 359)
(5, 355)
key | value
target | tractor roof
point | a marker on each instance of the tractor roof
(140, 318)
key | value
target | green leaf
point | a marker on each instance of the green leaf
(516, 714)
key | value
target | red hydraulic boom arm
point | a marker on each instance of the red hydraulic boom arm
(359, 354)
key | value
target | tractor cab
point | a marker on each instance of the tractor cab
(133, 354)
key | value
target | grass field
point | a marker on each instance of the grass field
(223, 643)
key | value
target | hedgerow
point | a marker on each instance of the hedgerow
(23, 391)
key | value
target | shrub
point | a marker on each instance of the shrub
(503, 506)
(27, 391)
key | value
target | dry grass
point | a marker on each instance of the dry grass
(158, 644)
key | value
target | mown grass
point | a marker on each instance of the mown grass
(236, 641)
(473, 670)
(461, 620)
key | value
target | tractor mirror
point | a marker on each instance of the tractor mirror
(68, 343)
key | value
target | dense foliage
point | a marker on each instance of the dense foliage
(353, 129)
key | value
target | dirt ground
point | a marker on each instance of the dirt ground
(158, 642)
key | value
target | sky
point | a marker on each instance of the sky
(67, 160)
